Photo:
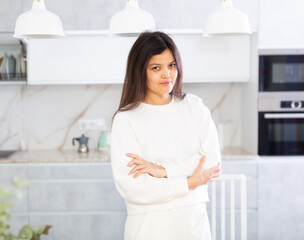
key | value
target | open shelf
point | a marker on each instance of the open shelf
(13, 82)
(12, 60)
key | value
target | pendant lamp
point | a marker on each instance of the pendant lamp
(131, 20)
(226, 21)
(38, 23)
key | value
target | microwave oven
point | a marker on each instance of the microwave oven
(281, 70)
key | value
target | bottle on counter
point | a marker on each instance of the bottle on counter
(103, 143)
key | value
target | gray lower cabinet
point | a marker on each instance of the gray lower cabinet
(20, 207)
(281, 198)
(7, 173)
(73, 226)
(275, 196)
(78, 199)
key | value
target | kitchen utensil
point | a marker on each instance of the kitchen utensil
(83, 143)
(3, 67)
(12, 66)
(1, 60)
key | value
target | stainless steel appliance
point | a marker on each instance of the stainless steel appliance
(281, 124)
(281, 102)
(281, 70)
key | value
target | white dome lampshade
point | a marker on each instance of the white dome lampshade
(131, 20)
(226, 21)
(38, 23)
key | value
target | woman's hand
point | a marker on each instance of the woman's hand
(202, 176)
(143, 166)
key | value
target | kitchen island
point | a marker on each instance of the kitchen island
(75, 193)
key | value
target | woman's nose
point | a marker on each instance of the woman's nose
(166, 73)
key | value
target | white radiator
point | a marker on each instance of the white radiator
(224, 180)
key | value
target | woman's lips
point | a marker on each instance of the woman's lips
(165, 83)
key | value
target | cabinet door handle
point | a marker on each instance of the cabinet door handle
(283, 115)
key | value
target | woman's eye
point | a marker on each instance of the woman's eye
(155, 68)
(172, 65)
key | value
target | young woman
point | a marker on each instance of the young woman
(164, 147)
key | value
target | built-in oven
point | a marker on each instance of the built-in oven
(281, 70)
(281, 123)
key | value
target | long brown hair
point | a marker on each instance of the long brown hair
(147, 45)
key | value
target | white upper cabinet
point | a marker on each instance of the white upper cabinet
(102, 59)
(78, 60)
(215, 59)
(281, 23)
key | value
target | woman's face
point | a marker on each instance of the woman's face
(161, 73)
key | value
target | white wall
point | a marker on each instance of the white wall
(46, 117)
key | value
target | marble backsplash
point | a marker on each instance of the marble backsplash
(47, 117)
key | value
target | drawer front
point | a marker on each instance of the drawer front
(7, 173)
(74, 195)
(70, 171)
(107, 226)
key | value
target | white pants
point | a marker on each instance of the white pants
(186, 223)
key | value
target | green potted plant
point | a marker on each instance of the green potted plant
(27, 232)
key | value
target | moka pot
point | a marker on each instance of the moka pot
(83, 144)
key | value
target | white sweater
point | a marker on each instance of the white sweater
(175, 136)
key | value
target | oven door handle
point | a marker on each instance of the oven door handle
(283, 115)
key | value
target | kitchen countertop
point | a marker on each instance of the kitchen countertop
(57, 156)
(41, 156)
(237, 153)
